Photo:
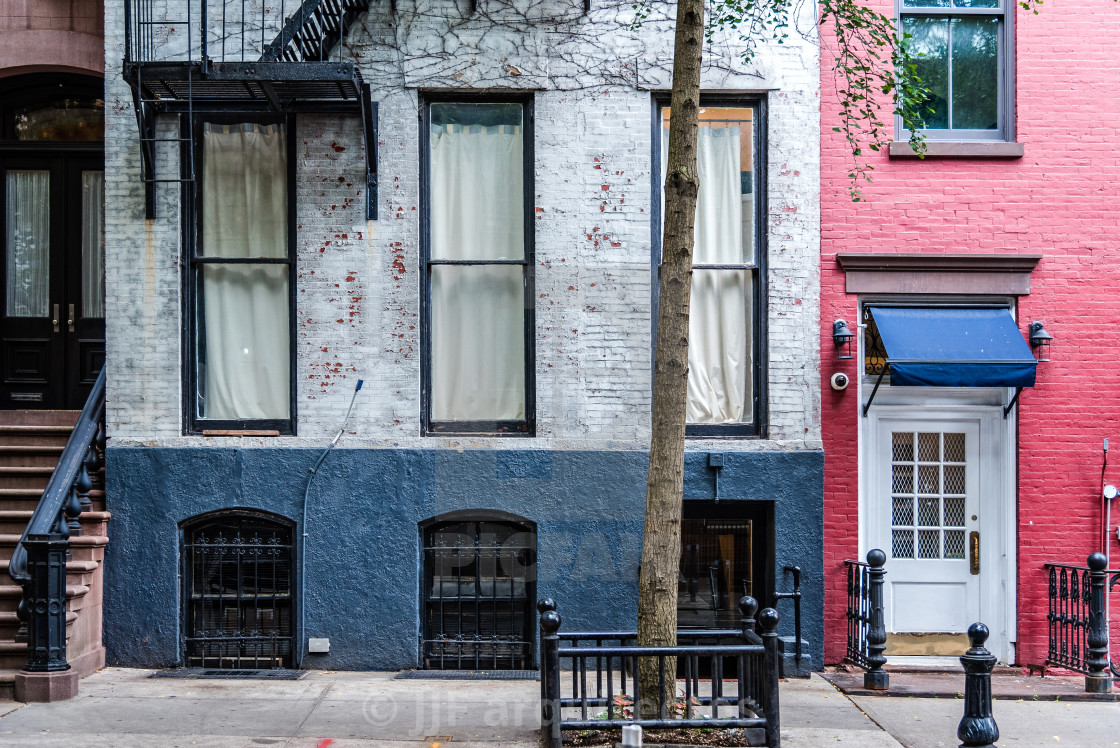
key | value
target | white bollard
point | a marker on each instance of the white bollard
(631, 736)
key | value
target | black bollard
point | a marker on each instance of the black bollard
(876, 679)
(978, 726)
(1098, 679)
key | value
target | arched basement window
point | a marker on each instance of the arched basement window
(479, 589)
(238, 579)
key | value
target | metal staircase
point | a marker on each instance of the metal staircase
(214, 56)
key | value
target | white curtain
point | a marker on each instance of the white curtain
(244, 367)
(28, 242)
(93, 244)
(719, 349)
(478, 344)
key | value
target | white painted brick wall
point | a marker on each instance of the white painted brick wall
(358, 281)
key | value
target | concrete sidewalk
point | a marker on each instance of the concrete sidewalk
(119, 707)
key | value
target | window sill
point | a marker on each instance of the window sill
(954, 149)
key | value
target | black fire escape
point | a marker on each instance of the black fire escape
(194, 56)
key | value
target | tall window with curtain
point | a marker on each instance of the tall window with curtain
(241, 278)
(725, 321)
(477, 169)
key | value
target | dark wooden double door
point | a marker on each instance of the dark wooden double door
(52, 326)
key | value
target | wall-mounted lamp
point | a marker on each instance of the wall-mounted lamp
(842, 338)
(1040, 341)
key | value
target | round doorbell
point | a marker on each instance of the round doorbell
(839, 381)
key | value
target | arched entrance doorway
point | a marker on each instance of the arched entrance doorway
(52, 278)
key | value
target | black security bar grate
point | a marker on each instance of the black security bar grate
(480, 579)
(238, 576)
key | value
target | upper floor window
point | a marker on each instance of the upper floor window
(725, 319)
(478, 256)
(241, 279)
(962, 49)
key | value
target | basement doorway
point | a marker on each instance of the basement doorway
(479, 587)
(238, 579)
(725, 554)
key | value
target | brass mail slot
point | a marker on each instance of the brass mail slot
(974, 552)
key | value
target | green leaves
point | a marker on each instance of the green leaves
(873, 69)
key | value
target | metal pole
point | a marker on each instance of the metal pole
(770, 619)
(1098, 680)
(978, 726)
(876, 679)
(550, 679)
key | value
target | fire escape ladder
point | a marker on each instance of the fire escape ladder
(213, 58)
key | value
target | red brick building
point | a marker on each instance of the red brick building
(1013, 215)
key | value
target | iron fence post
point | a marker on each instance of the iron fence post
(46, 603)
(978, 726)
(876, 678)
(770, 619)
(748, 606)
(543, 605)
(1098, 679)
(550, 678)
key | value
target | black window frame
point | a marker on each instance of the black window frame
(1004, 12)
(191, 133)
(757, 428)
(503, 428)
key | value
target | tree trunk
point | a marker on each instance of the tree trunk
(661, 544)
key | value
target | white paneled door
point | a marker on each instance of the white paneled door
(935, 507)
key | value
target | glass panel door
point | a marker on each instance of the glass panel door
(28, 237)
(93, 244)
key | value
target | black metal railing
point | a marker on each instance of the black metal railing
(795, 596)
(748, 689)
(52, 523)
(237, 30)
(867, 632)
(1077, 620)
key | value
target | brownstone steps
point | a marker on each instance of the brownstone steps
(31, 443)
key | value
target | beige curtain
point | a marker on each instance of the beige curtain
(719, 351)
(28, 242)
(478, 317)
(244, 363)
(93, 244)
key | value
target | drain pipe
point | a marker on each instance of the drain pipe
(303, 543)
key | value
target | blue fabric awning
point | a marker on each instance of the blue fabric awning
(954, 347)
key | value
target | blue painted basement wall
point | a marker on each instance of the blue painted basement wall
(363, 549)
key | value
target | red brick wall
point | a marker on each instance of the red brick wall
(1061, 200)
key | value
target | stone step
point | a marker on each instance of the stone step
(39, 418)
(13, 521)
(15, 591)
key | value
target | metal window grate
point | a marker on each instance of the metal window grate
(479, 589)
(238, 582)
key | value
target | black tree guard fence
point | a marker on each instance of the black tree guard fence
(610, 699)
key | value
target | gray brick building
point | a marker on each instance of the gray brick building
(495, 296)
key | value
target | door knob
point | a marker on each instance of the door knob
(55, 320)
(70, 322)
